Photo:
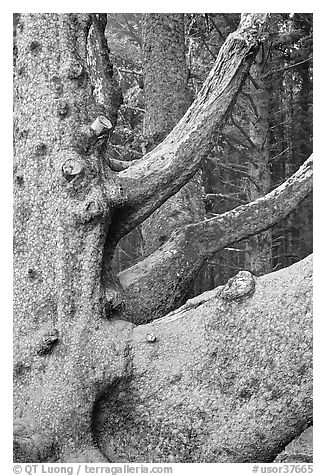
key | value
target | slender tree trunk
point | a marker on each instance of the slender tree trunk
(278, 167)
(104, 84)
(166, 100)
(305, 212)
(259, 248)
(290, 244)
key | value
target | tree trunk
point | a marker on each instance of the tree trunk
(63, 202)
(105, 87)
(70, 211)
(166, 101)
(259, 248)
(224, 379)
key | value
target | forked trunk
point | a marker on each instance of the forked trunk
(70, 211)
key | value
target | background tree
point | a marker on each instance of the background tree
(74, 202)
(166, 100)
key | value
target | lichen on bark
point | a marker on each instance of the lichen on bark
(64, 196)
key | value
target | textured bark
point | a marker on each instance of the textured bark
(159, 283)
(63, 200)
(70, 208)
(225, 378)
(148, 183)
(165, 74)
(166, 100)
(259, 250)
(105, 87)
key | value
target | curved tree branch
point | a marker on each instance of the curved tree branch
(247, 220)
(162, 172)
(158, 284)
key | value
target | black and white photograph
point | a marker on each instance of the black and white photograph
(162, 241)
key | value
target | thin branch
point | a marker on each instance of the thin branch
(234, 186)
(126, 149)
(126, 121)
(207, 46)
(243, 132)
(272, 159)
(133, 108)
(193, 19)
(267, 56)
(229, 196)
(121, 250)
(262, 147)
(253, 181)
(234, 268)
(248, 96)
(256, 85)
(234, 249)
(239, 168)
(216, 27)
(133, 32)
(286, 67)
(114, 18)
(129, 71)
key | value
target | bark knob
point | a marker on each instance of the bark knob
(47, 341)
(71, 168)
(101, 125)
(242, 284)
(150, 338)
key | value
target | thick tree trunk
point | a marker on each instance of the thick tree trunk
(225, 378)
(159, 283)
(166, 101)
(63, 201)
